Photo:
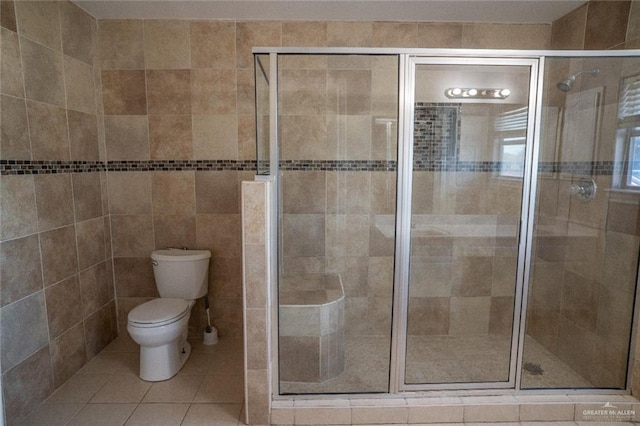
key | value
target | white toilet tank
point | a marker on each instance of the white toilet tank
(181, 273)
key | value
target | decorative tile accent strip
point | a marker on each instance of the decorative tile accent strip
(436, 134)
(26, 167)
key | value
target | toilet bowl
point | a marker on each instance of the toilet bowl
(160, 326)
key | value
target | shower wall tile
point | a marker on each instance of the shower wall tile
(14, 129)
(59, 254)
(174, 231)
(78, 33)
(11, 67)
(395, 34)
(623, 217)
(357, 99)
(501, 316)
(168, 91)
(21, 274)
(127, 137)
(123, 92)
(303, 92)
(43, 73)
(568, 32)
(54, 200)
(48, 130)
(306, 192)
(63, 302)
(621, 262)
(28, 384)
(349, 137)
(68, 355)
(18, 345)
(83, 136)
(18, 200)
(79, 87)
(100, 329)
(436, 34)
(347, 235)
(606, 24)
(245, 92)
(304, 136)
(8, 15)
(429, 316)
(129, 192)
(469, 315)
(304, 34)
(213, 44)
(121, 44)
(166, 44)
(213, 91)
(38, 20)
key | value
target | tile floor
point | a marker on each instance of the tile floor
(208, 390)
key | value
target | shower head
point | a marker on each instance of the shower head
(566, 84)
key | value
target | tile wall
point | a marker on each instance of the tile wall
(57, 306)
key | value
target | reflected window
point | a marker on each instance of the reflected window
(511, 131)
(629, 134)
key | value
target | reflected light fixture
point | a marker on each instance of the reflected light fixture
(472, 93)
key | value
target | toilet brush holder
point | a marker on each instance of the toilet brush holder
(210, 337)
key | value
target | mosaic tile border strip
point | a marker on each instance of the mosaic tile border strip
(27, 167)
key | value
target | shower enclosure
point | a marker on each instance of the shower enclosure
(452, 219)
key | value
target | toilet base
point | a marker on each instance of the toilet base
(163, 362)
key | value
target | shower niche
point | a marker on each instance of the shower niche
(450, 222)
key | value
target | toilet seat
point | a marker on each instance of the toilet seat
(158, 312)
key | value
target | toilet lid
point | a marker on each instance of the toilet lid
(158, 312)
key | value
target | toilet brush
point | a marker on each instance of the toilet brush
(210, 333)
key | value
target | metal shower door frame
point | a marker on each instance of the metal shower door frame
(408, 65)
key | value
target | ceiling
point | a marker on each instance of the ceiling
(497, 11)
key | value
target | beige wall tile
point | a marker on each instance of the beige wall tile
(568, 32)
(96, 288)
(253, 34)
(304, 34)
(245, 91)
(213, 91)
(606, 24)
(78, 32)
(79, 86)
(8, 15)
(121, 44)
(306, 192)
(11, 66)
(21, 274)
(91, 242)
(123, 92)
(14, 129)
(19, 218)
(213, 44)
(255, 277)
(127, 137)
(43, 72)
(303, 92)
(87, 196)
(48, 130)
(469, 315)
(215, 137)
(83, 136)
(68, 354)
(39, 21)
(54, 200)
(217, 192)
(173, 193)
(134, 277)
(350, 34)
(505, 36)
(174, 231)
(168, 91)
(59, 254)
(100, 330)
(166, 44)
(219, 233)
(132, 235)
(63, 300)
(439, 34)
(129, 192)
(395, 34)
(170, 137)
(27, 385)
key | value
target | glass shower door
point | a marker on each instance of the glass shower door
(471, 139)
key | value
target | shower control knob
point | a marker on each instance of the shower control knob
(585, 189)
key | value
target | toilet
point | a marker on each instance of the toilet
(160, 326)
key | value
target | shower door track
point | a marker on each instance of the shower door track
(407, 58)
